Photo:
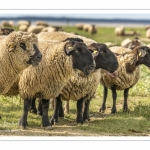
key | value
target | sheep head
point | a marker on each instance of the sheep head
(23, 49)
(81, 57)
(143, 55)
(104, 57)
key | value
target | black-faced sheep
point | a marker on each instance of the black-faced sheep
(128, 73)
(19, 50)
(61, 60)
(79, 87)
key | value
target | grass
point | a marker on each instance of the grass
(134, 123)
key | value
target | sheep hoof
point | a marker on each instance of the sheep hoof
(48, 128)
(87, 120)
(102, 110)
(23, 127)
(53, 121)
(80, 121)
(113, 112)
(79, 124)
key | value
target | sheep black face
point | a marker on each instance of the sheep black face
(143, 55)
(103, 57)
(81, 56)
(6, 31)
(36, 58)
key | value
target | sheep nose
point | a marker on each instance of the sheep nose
(92, 67)
(39, 56)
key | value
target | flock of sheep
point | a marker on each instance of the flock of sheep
(26, 26)
(56, 65)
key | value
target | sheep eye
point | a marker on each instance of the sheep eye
(76, 51)
(23, 46)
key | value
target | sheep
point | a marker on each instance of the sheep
(81, 88)
(120, 30)
(128, 73)
(79, 26)
(35, 29)
(132, 32)
(42, 23)
(132, 43)
(61, 60)
(7, 24)
(148, 33)
(110, 44)
(23, 25)
(24, 22)
(61, 36)
(89, 28)
(19, 50)
(51, 29)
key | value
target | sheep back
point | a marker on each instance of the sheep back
(124, 79)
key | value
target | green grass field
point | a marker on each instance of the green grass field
(134, 123)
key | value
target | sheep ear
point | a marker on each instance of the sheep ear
(93, 48)
(141, 53)
(11, 47)
(69, 49)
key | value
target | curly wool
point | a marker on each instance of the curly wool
(81, 86)
(44, 81)
(126, 77)
(14, 61)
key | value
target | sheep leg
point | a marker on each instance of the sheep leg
(105, 93)
(45, 107)
(86, 111)
(23, 121)
(39, 111)
(66, 107)
(79, 118)
(33, 106)
(114, 96)
(61, 111)
(57, 103)
(125, 105)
